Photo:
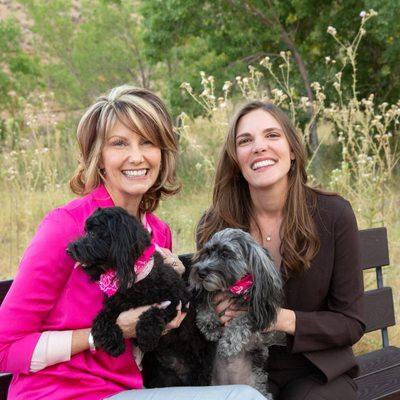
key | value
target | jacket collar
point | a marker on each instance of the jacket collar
(102, 197)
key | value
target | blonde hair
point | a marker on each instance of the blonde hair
(232, 205)
(144, 113)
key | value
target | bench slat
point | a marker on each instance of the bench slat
(4, 286)
(378, 360)
(381, 385)
(5, 380)
(374, 248)
(379, 309)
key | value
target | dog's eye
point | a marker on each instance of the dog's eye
(226, 254)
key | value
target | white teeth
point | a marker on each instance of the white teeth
(135, 172)
(263, 163)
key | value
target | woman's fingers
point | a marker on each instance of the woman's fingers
(163, 305)
(220, 297)
(232, 312)
(224, 320)
(172, 260)
(222, 306)
(176, 322)
(238, 308)
(127, 320)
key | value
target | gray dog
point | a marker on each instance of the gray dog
(233, 262)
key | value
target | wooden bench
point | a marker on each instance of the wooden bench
(380, 369)
(5, 379)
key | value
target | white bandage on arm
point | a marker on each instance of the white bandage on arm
(52, 348)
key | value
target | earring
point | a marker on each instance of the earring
(292, 165)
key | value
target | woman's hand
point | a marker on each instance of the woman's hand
(128, 320)
(285, 322)
(176, 322)
(172, 260)
(226, 309)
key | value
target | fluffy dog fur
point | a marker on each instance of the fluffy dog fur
(242, 350)
(115, 239)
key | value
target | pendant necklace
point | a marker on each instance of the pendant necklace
(268, 238)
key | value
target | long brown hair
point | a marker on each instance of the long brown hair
(141, 111)
(232, 205)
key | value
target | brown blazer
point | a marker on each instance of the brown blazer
(327, 298)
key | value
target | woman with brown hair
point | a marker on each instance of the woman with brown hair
(312, 237)
(128, 153)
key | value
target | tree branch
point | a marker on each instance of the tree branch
(286, 39)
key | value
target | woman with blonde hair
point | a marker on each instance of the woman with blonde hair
(312, 237)
(128, 153)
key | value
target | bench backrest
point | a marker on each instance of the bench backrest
(5, 379)
(379, 307)
(4, 286)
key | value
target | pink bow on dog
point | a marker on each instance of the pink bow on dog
(242, 286)
(108, 280)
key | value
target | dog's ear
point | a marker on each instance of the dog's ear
(129, 239)
(266, 292)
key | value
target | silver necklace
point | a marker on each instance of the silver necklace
(268, 238)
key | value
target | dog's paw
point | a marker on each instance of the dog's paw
(111, 340)
(210, 334)
(108, 335)
(149, 329)
(115, 349)
(209, 326)
(234, 339)
(146, 344)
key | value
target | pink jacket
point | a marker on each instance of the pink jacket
(49, 294)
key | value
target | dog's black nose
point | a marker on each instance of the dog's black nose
(71, 250)
(202, 273)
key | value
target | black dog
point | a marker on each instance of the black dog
(115, 240)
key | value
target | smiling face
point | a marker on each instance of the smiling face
(131, 165)
(263, 152)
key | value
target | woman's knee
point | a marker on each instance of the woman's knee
(311, 388)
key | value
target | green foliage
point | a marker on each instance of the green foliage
(89, 48)
(171, 76)
(238, 32)
(19, 72)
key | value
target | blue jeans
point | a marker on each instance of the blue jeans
(226, 392)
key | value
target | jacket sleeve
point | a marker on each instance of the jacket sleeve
(341, 323)
(42, 275)
(168, 237)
